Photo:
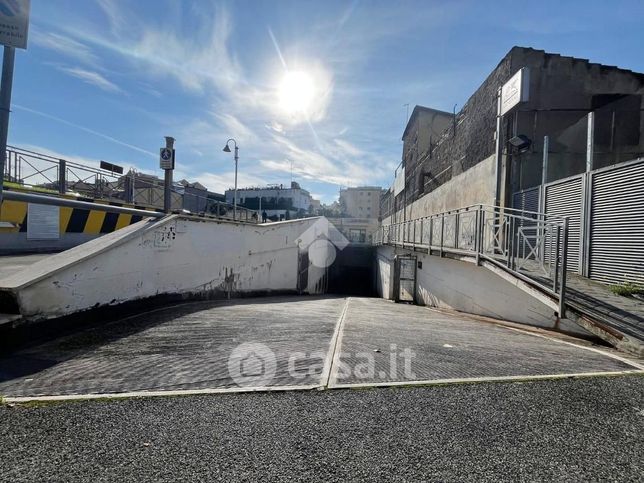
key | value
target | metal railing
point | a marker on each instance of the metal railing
(532, 246)
(49, 175)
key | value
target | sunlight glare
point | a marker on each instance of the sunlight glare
(297, 92)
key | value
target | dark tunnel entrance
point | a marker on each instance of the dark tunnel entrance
(352, 272)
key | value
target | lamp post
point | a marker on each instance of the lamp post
(227, 150)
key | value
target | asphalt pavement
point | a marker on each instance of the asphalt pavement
(587, 429)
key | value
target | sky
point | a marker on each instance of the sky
(314, 91)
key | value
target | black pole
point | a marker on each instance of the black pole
(5, 108)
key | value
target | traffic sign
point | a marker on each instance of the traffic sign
(14, 22)
(166, 158)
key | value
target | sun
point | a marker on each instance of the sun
(297, 92)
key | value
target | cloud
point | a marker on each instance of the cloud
(349, 148)
(243, 103)
(63, 45)
(114, 14)
(85, 129)
(91, 78)
(221, 182)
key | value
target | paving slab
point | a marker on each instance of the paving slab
(376, 334)
(286, 342)
(181, 348)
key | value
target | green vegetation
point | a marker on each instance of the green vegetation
(627, 289)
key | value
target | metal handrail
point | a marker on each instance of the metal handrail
(75, 178)
(531, 245)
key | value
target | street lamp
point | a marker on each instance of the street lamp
(227, 150)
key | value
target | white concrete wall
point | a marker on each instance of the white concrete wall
(385, 272)
(459, 285)
(472, 187)
(175, 255)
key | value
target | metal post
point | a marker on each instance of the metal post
(62, 176)
(129, 189)
(457, 231)
(509, 239)
(590, 142)
(481, 232)
(421, 232)
(442, 233)
(414, 240)
(236, 163)
(431, 234)
(562, 283)
(167, 191)
(498, 150)
(5, 108)
(167, 181)
(477, 235)
(544, 165)
(555, 278)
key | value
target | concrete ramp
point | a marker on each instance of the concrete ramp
(176, 255)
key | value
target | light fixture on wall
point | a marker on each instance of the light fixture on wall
(521, 142)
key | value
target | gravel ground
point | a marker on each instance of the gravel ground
(585, 429)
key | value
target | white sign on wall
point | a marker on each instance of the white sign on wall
(43, 222)
(399, 182)
(14, 22)
(516, 90)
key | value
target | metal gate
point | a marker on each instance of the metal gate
(616, 251)
(606, 215)
(565, 198)
(527, 200)
(405, 273)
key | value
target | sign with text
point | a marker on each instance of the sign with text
(43, 222)
(516, 90)
(166, 158)
(14, 22)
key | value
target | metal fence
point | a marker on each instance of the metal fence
(606, 211)
(46, 174)
(531, 245)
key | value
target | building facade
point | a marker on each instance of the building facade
(361, 202)
(279, 202)
(563, 91)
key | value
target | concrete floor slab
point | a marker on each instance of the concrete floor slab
(12, 264)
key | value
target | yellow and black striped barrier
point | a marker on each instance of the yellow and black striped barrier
(14, 215)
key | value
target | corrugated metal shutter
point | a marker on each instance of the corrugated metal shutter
(565, 199)
(526, 200)
(617, 225)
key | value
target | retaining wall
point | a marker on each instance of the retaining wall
(173, 255)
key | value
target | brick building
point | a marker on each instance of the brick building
(563, 91)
